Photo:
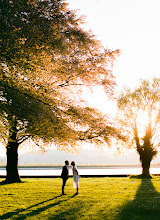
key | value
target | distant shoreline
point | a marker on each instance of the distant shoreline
(84, 171)
(89, 166)
(81, 166)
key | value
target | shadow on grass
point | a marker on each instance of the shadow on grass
(4, 183)
(72, 212)
(19, 212)
(8, 183)
(146, 204)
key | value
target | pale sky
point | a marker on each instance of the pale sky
(133, 26)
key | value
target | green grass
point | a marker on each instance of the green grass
(99, 198)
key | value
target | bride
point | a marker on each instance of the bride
(75, 176)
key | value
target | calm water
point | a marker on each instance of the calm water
(56, 171)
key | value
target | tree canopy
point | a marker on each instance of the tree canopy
(45, 54)
(46, 59)
(140, 114)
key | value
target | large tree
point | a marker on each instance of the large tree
(140, 114)
(46, 60)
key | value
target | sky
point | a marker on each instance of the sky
(131, 26)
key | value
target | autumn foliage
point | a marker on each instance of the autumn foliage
(47, 59)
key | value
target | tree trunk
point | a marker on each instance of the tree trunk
(12, 163)
(146, 151)
(146, 168)
(12, 152)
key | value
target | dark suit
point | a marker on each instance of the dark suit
(64, 176)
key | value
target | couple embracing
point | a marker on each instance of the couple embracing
(65, 175)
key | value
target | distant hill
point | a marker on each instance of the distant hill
(85, 157)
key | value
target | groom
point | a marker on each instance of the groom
(64, 175)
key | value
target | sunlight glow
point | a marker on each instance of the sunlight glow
(97, 98)
(132, 27)
(142, 122)
(143, 118)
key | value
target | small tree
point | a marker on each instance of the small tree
(140, 114)
(45, 56)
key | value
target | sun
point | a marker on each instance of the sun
(142, 122)
(143, 118)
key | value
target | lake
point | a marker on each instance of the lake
(98, 171)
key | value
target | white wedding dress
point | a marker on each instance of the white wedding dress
(75, 178)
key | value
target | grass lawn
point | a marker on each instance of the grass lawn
(99, 198)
